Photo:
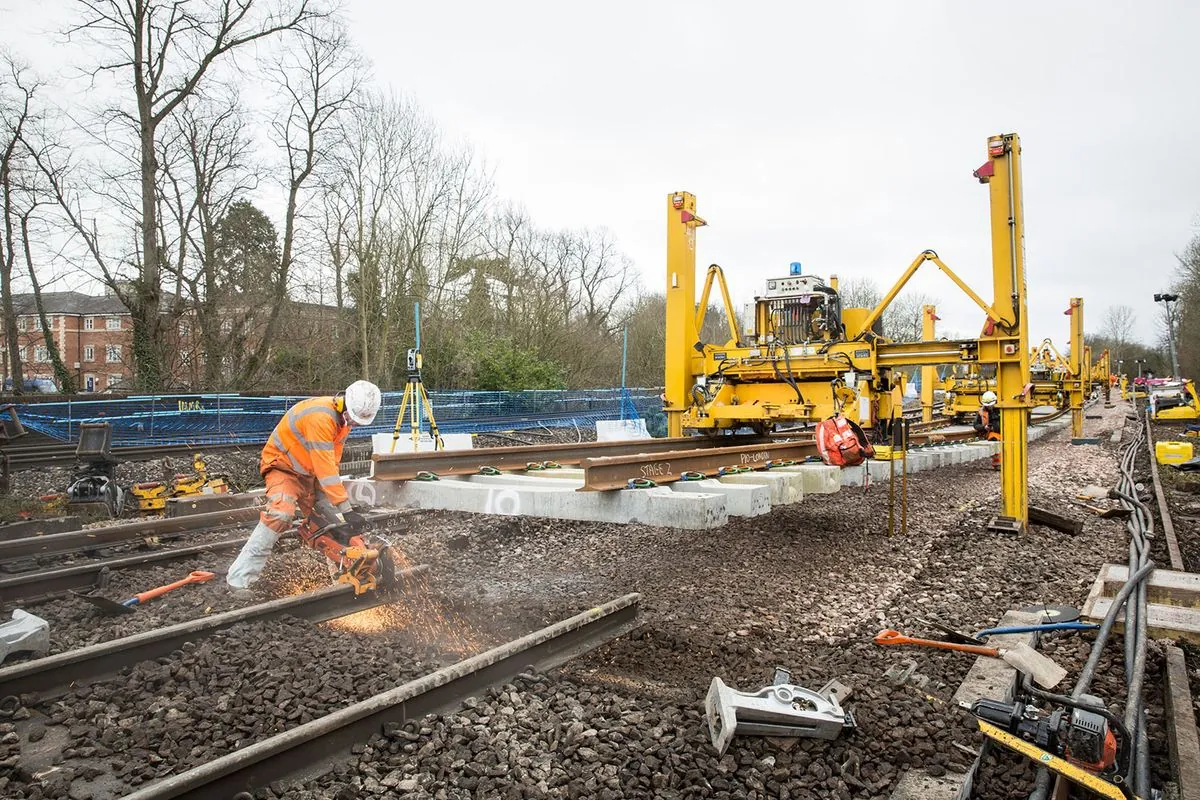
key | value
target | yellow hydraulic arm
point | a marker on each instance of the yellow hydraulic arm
(928, 255)
(715, 271)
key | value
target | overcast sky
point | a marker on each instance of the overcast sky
(839, 135)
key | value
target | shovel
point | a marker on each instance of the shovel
(112, 607)
(1021, 657)
(1104, 513)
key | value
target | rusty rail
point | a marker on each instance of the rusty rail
(615, 472)
(310, 748)
(406, 466)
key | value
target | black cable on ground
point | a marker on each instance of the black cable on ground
(1131, 597)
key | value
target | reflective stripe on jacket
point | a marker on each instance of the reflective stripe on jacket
(308, 442)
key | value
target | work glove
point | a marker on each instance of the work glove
(354, 519)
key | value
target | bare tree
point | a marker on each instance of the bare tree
(166, 49)
(207, 165)
(16, 95)
(1117, 328)
(859, 292)
(321, 79)
(904, 317)
(22, 193)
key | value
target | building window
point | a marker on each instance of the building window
(113, 323)
(23, 354)
(21, 324)
(184, 329)
(112, 355)
(226, 326)
(114, 381)
(89, 353)
(89, 323)
(42, 355)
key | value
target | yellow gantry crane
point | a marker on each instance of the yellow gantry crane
(807, 358)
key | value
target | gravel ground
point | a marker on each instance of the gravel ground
(207, 699)
(76, 623)
(805, 587)
(239, 466)
(1182, 492)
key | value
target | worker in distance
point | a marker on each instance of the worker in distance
(300, 464)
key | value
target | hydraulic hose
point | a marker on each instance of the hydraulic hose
(1084, 682)
(1133, 598)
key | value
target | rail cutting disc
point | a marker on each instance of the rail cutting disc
(385, 575)
(1052, 613)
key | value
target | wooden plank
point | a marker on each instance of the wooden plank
(1181, 725)
(1162, 622)
(1042, 516)
(1163, 586)
(1164, 513)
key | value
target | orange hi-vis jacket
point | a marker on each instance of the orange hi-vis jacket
(308, 442)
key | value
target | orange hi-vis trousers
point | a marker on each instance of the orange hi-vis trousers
(286, 494)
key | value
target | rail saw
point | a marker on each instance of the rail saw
(365, 562)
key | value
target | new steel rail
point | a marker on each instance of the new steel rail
(408, 466)
(306, 750)
(53, 674)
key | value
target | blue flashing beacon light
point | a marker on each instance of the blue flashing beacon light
(795, 268)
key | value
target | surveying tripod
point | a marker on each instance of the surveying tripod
(415, 398)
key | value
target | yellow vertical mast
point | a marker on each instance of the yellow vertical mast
(681, 305)
(1002, 174)
(928, 374)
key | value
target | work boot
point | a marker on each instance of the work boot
(239, 593)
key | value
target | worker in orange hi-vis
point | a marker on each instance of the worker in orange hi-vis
(988, 423)
(300, 464)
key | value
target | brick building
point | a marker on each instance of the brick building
(94, 335)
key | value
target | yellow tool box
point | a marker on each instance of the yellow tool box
(1173, 452)
(884, 452)
(151, 496)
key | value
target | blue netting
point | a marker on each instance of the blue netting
(234, 419)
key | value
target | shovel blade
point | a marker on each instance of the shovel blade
(110, 608)
(1039, 667)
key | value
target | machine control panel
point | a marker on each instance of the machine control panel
(793, 285)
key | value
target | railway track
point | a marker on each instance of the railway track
(641, 696)
(301, 750)
(51, 675)
(22, 579)
(309, 749)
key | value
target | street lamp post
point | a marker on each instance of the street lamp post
(1168, 300)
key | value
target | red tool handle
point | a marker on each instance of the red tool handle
(195, 577)
(896, 637)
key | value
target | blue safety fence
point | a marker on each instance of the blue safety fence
(236, 419)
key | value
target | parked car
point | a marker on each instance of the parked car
(33, 385)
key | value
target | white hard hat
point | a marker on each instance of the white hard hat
(988, 399)
(362, 402)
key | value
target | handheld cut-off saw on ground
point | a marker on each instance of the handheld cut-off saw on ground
(364, 562)
(1086, 744)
